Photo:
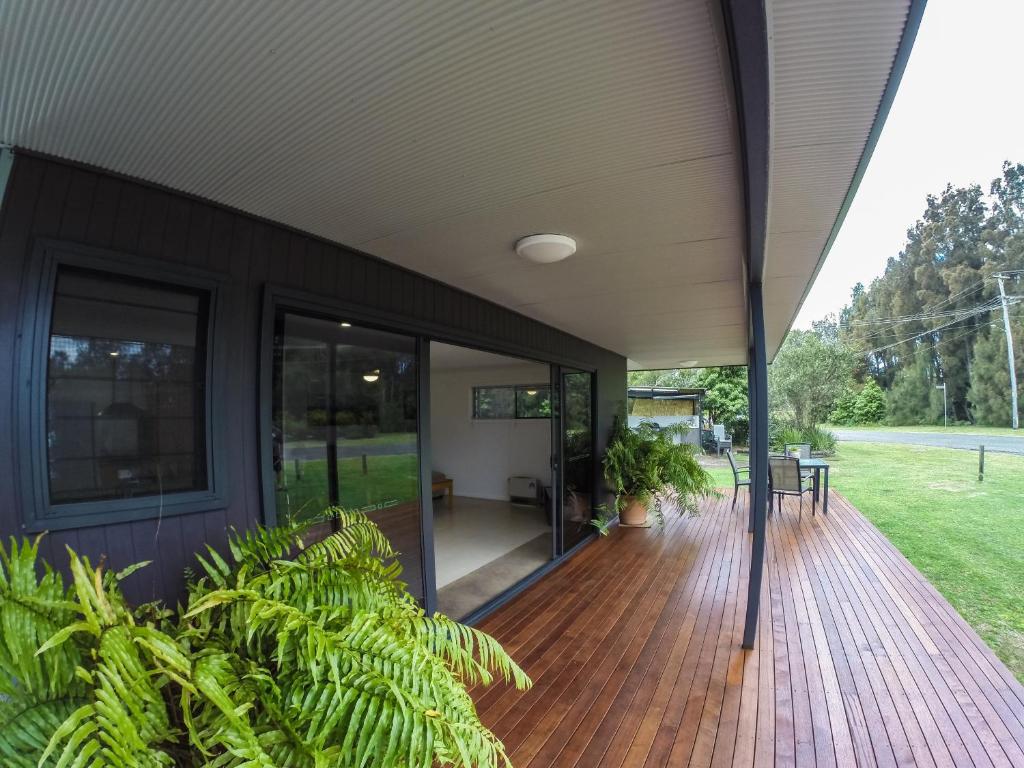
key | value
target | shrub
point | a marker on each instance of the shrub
(844, 411)
(784, 435)
(286, 655)
(821, 440)
(869, 405)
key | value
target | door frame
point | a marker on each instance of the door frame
(559, 373)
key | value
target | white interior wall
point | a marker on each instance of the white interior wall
(479, 456)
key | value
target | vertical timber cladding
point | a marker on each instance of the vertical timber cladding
(56, 200)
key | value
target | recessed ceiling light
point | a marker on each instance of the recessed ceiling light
(345, 325)
(531, 392)
(114, 354)
(371, 376)
(546, 249)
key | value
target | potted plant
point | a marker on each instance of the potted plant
(644, 464)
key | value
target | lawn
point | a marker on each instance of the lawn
(966, 537)
(389, 478)
(965, 429)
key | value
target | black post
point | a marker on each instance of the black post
(426, 475)
(751, 436)
(333, 492)
(758, 396)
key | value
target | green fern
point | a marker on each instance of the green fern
(646, 461)
(289, 653)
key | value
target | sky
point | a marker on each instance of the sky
(958, 114)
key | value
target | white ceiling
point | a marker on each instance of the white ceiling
(449, 357)
(827, 81)
(436, 134)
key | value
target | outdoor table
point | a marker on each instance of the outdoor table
(818, 465)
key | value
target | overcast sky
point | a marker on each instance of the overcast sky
(957, 115)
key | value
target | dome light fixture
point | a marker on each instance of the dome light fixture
(371, 376)
(546, 248)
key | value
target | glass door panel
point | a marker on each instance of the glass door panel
(578, 478)
(345, 428)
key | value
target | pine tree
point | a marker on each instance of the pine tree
(990, 376)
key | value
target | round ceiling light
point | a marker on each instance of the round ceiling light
(371, 376)
(546, 249)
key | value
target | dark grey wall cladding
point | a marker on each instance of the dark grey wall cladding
(48, 198)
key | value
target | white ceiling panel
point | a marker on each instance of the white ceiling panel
(830, 64)
(436, 134)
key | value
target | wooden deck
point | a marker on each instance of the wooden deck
(634, 648)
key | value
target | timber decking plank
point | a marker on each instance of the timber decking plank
(634, 648)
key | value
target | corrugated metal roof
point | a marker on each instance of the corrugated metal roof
(435, 134)
(831, 62)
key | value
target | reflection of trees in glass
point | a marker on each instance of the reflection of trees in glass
(508, 401)
(533, 402)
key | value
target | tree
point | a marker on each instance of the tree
(869, 405)
(810, 372)
(925, 320)
(990, 380)
(844, 411)
(911, 399)
(725, 398)
(681, 378)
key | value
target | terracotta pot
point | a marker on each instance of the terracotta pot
(634, 513)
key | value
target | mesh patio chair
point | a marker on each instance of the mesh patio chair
(740, 476)
(804, 449)
(787, 479)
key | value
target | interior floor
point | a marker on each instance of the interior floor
(482, 547)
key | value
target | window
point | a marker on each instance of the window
(125, 388)
(344, 429)
(525, 401)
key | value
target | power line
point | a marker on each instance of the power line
(964, 315)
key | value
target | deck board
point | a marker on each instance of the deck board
(634, 648)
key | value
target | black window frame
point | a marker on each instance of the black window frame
(517, 389)
(39, 513)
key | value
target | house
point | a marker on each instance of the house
(257, 258)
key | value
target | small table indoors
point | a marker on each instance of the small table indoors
(447, 486)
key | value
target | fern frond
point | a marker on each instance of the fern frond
(125, 719)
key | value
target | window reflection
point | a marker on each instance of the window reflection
(345, 428)
(125, 388)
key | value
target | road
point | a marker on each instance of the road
(968, 442)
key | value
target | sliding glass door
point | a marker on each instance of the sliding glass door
(578, 477)
(344, 429)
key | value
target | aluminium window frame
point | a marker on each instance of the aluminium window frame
(516, 390)
(38, 513)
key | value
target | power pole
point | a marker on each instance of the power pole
(999, 276)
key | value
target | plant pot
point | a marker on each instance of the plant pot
(634, 513)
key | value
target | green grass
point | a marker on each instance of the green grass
(966, 429)
(387, 478)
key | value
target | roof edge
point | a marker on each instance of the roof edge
(915, 12)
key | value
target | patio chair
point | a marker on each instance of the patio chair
(787, 479)
(723, 442)
(740, 476)
(805, 453)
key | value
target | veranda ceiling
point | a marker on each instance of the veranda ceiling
(435, 134)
